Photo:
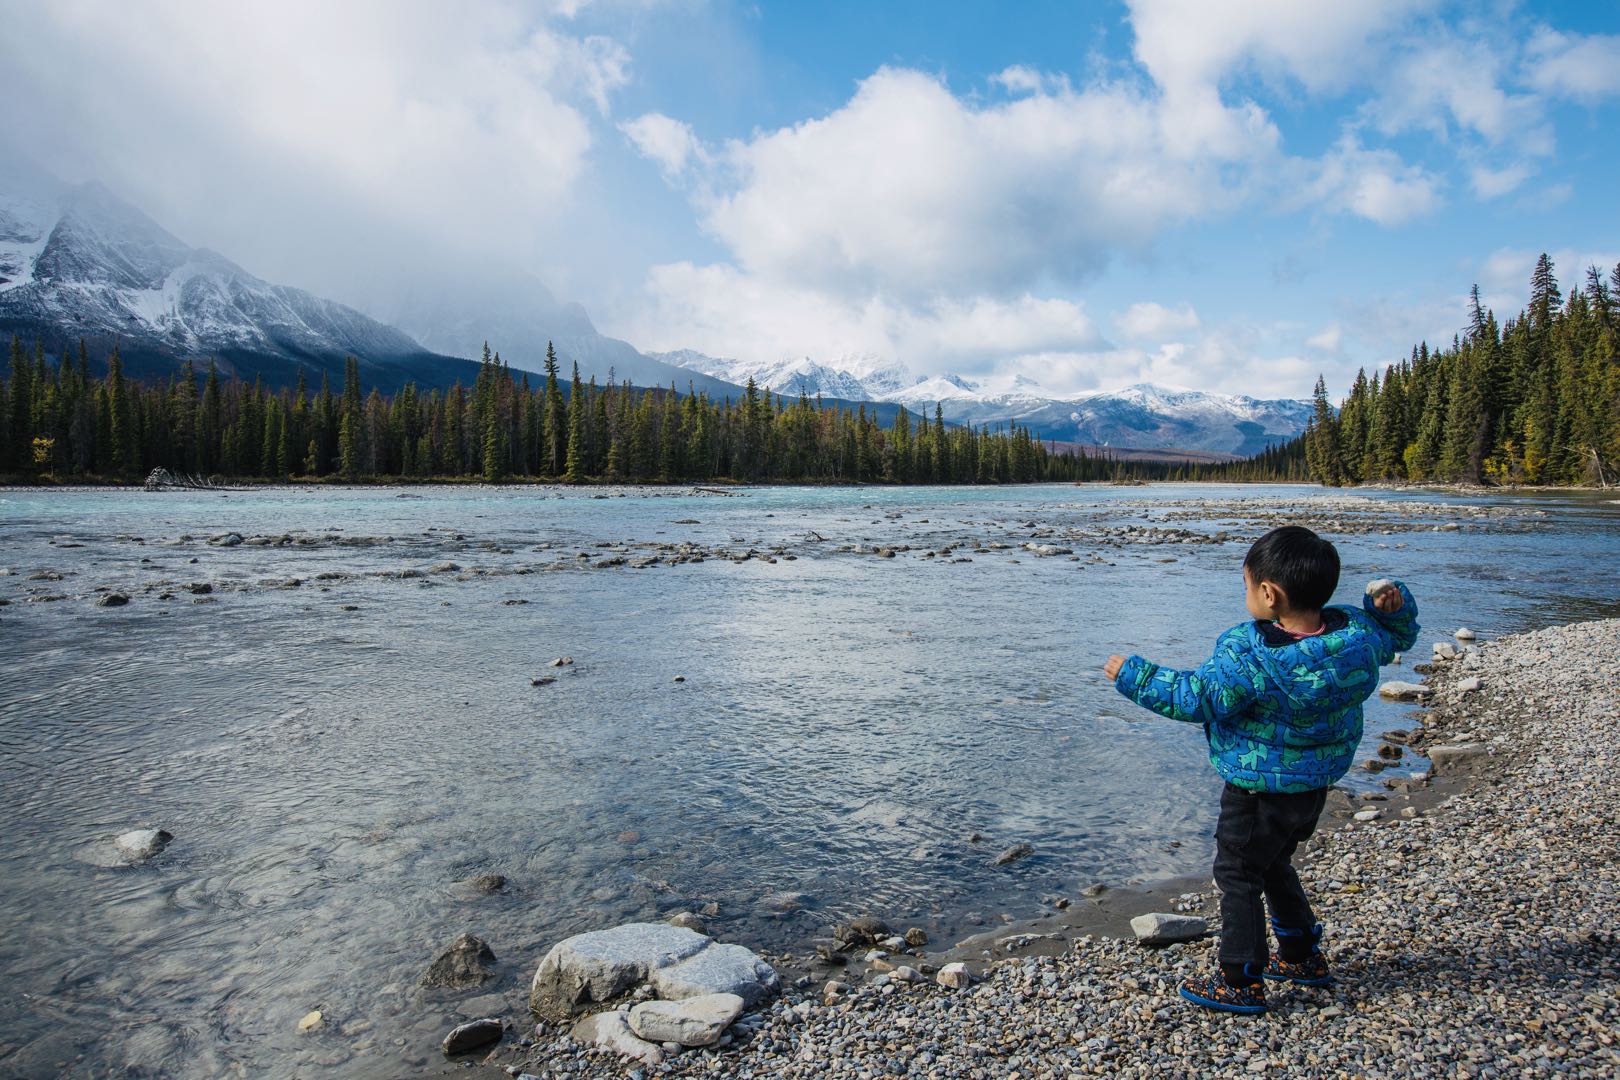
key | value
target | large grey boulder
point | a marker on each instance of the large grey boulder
(1162, 928)
(603, 964)
(611, 1031)
(696, 1021)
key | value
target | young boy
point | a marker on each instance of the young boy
(1280, 702)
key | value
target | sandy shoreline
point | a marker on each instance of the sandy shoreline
(1470, 928)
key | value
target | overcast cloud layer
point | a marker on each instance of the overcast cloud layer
(1083, 227)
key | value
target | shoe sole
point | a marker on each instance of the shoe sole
(1221, 1006)
(1326, 980)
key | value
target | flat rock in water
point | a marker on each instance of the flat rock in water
(1464, 634)
(611, 1031)
(465, 1038)
(482, 1005)
(112, 599)
(1163, 928)
(696, 1021)
(139, 844)
(1404, 691)
(1014, 853)
(465, 964)
(601, 965)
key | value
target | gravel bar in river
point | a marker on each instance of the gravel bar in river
(1471, 928)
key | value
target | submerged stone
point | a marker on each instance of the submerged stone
(465, 964)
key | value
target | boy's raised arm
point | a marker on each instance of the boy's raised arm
(1217, 688)
(1394, 612)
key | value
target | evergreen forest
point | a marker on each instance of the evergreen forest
(59, 422)
(1533, 401)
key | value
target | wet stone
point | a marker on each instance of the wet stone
(467, 963)
(1014, 854)
(471, 1036)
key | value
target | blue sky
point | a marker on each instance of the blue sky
(1225, 196)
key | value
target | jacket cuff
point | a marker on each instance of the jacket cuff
(1132, 674)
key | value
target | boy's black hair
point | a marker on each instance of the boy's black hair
(1304, 564)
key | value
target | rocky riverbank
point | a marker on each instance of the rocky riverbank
(1469, 921)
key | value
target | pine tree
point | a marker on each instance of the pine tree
(1545, 296)
(555, 420)
(1328, 466)
(1389, 453)
(349, 446)
(574, 467)
(491, 451)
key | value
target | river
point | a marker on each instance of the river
(785, 705)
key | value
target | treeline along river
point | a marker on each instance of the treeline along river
(337, 701)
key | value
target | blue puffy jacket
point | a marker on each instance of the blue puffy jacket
(1280, 715)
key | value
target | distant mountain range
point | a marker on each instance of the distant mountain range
(1138, 417)
(76, 262)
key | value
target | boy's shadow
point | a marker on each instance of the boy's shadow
(1553, 961)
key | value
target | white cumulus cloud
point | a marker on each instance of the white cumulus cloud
(724, 311)
(910, 190)
(1374, 184)
(1581, 66)
(317, 143)
(668, 142)
(1188, 45)
(1150, 321)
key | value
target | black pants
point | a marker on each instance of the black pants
(1255, 841)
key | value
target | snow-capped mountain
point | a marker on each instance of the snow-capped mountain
(855, 379)
(78, 262)
(1140, 417)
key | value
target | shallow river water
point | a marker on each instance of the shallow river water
(338, 721)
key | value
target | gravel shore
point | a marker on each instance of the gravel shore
(1471, 929)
